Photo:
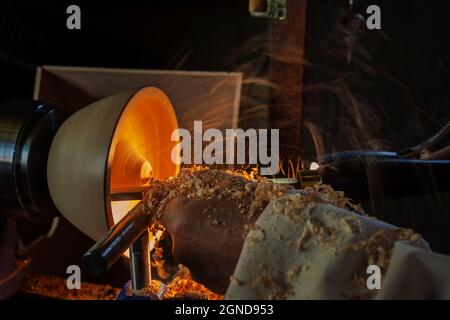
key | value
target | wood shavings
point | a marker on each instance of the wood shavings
(236, 281)
(264, 193)
(298, 206)
(184, 285)
(203, 183)
(378, 250)
(158, 262)
(350, 225)
(278, 288)
(336, 198)
(257, 235)
(378, 247)
(300, 243)
(180, 287)
(294, 273)
(54, 287)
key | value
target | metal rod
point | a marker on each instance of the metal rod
(140, 263)
(115, 242)
(124, 194)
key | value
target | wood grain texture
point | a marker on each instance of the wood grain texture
(212, 97)
(77, 164)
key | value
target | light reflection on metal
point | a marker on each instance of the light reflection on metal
(314, 166)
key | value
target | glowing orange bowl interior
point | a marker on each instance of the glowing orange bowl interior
(142, 145)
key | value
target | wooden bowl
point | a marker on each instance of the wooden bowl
(119, 142)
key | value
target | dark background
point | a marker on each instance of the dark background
(189, 35)
(392, 94)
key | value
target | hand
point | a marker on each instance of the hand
(208, 234)
(443, 154)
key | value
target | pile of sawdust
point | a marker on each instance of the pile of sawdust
(200, 183)
(56, 288)
(380, 246)
(180, 287)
